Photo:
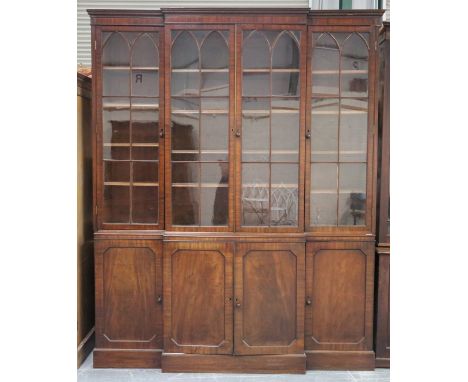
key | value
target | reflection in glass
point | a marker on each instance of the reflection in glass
(145, 204)
(284, 194)
(325, 66)
(324, 131)
(286, 52)
(210, 52)
(285, 84)
(255, 51)
(116, 171)
(353, 130)
(256, 84)
(184, 52)
(116, 208)
(284, 137)
(200, 128)
(145, 53)
(116, 51)
(352, 197)
(115, 82)
(255, 194)
(324, 193)
(145, 172)
(145, 83)
(255, 137)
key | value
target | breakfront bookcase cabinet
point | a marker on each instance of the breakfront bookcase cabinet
(235, 188)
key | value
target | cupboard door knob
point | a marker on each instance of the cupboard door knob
(161, 133)
(238, 304)
(238, 133)
(159, 299)
(308, 301)
(308, 135)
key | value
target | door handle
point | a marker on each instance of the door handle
(159, 300)
(238, 304)
(308, 135)
(238, 133)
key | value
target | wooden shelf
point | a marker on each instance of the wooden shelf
(140, 68)
(200, 70)
(133, 144)
(126, 106)
(335, 191)
(332, 112)
(322, 72)
(199, 152)
(273, 185)
(281, 152)
(136, 184)
(271, 70)
(273, 111)
(206, 111)
(202, 185)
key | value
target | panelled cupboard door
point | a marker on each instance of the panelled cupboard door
(269, 298)
(339, 295)
(198, 297)
(128, 277)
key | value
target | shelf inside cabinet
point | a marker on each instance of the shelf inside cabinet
(324, 72)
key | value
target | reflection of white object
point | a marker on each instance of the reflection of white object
(283, 204)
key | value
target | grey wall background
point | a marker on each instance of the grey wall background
(84, 30)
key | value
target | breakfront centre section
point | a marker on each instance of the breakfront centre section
(235, 176)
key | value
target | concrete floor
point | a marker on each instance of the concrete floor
(86, 373)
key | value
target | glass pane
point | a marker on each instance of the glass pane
(282, 105)
(352, 199)
(185, 83)
(353, 130)
(185, 104)
(214, 52)
(324, 130)
(185, 52)
(325, 66)
(284, 194)
(115, 120)
(285, 137)
(116, 50)
(286, 52)
(256, 84)
(115, 82)
(218, 104)
(324, 193)
(215, 84)
(145, 204)
(145, 126)
(186, 174)
(255, 194)
(145, 172)
(116, 171)
(185, 135)
(285, 84)
(144, 51)
(214, 137)
(145, 83)
(255, 137)
(214, 193)
(145, 151)
(214, 206)
(354, 67)
(255, 51)
(116, 204)
(185, 205)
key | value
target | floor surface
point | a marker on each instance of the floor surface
(86, 373)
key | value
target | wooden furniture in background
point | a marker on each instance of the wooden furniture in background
(382, 322)
(235, 188)
(85, 261)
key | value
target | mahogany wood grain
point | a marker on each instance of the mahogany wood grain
(340, 284)
(198, 297)
(340, 360)
(278, 364)
(382, 322)
(128, 276)
(135, 359)
(269, 283)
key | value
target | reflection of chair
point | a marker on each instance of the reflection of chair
(284, 206)
(255, 202)
(357, 201)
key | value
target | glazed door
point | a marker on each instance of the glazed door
(129, 128)
(271, 90)
(198, 297)
(199, 117)
(269, 298)
(128, 277)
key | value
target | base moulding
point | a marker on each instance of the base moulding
(340, 360)
(278, 364)
(127, 358)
